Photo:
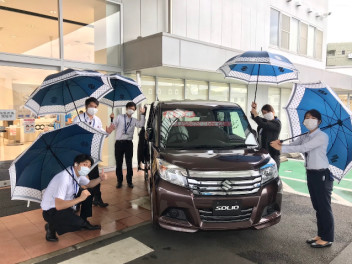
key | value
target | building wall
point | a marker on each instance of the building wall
(338, 54)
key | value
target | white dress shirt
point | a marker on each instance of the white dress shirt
(62, 186)
(125, 126)
(315, 145)
(94, 122)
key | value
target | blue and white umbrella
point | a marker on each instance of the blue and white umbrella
(261, 67)
(336, 122)
(63, 92)
(124, 90)
(50, 153)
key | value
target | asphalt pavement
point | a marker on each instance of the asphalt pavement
(282, 243)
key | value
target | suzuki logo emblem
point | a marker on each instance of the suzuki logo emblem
(226, 185)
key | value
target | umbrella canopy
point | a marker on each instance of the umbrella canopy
(336, 122)
(261, 67)
(52, 152)
(65, 91)
(124, 91)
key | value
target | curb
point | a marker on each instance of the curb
(81, 245)
(344, 256)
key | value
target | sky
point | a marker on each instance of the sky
(340, 21)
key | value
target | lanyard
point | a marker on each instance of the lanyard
(75, 185)
(89, 122)
(127, 125)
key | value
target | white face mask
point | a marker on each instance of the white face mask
(269, 116)
(310, 124)
(83, 171)
(92, 111)
(130, 111)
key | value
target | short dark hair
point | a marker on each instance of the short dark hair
(314, 113)
(130, 104)
(90, 100)
(268, 108)
(83, 157)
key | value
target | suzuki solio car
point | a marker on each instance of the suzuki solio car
(206, 170)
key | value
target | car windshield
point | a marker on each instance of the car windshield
(193, 128)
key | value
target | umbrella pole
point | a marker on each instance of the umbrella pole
(339, 122)
(256, 85)
(113, 102)
(73, 101)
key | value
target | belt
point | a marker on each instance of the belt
(124, 140)
(319, 170)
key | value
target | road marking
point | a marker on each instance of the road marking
(120, 252)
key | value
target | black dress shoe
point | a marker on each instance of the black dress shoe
(130, 185)
(315, 245)
(310, 241)
(50, 234)
(100, 203)
(119, 185)
(89, 226)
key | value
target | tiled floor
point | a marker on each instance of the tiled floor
(22, 236)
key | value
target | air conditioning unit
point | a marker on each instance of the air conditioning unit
(298, 3)
(318, 14)
(349, 55)
(309, 10)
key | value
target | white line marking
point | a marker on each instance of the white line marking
(120, 252)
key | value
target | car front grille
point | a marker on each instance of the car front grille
(224, 183)
(206, 215)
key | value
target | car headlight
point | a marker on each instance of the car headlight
(172, 173)
(269, 171)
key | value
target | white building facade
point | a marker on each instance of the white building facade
(172, 47)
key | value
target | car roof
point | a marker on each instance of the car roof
(198, 103)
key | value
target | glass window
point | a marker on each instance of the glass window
(148, 88)
(203, 128)
(239, 95)
(310, 45)
(30, 28)
(303, 36)
(92, 34)
(16, 84)
(285, 128)
(294, 35)
(285, 31)
(319, 44)
(274, 27)
(196, 90)
(219, 91)
(170, 89)
(274, 99)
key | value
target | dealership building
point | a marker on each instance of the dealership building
(173, 48)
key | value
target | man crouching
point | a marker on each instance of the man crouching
(61, 196)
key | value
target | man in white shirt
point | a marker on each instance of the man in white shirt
(125, 125)
(61, 196)
(91, 119)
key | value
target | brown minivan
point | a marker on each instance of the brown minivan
(207, 172)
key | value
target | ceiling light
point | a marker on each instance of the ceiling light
(309, 10)
(298, 3)
(52, 12)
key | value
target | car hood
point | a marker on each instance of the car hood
(216, 160)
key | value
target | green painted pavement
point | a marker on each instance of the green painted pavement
(294, 173)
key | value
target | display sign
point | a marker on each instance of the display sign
(29, 125)
(7, 115)
(13, 131)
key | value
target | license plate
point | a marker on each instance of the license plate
(226, 207)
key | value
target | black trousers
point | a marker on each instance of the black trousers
(124, 148)
(277, 160)
(63, 221)
(320, 187)
(86, 205)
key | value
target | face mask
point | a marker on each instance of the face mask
(92, 111)
(310, 124)
(269, 116)
(130, 111)
(83, 171)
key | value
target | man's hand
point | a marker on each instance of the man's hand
(142, 110)
(110, 128)
(103, 176)
(112, 115)
(254, 105)
(276, 144)
(254, 112)
(84, 195)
